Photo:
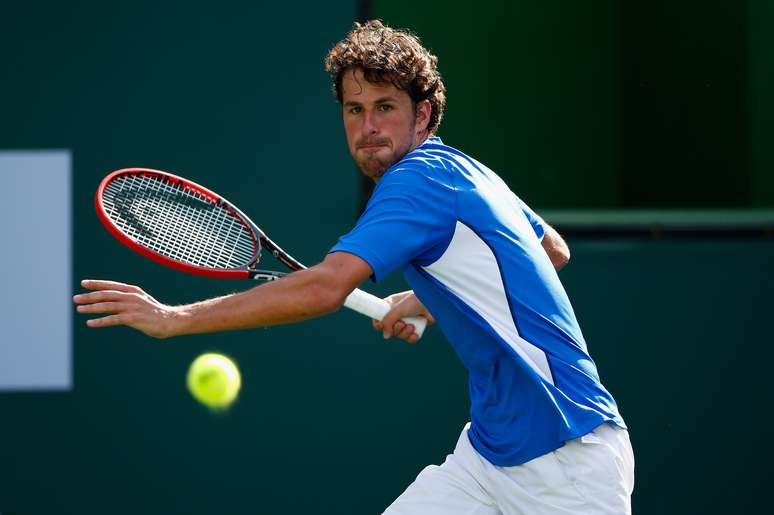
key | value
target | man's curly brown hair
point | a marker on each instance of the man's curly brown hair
(389, 56)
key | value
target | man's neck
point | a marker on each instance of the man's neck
(421, 138)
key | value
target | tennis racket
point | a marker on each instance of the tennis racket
(185, 226)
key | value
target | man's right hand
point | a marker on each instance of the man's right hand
(404, 304)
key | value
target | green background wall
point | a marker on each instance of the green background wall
(532, 90)
(332, 419)
(760, 45)
(609, 104)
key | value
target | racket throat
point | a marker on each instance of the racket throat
(265, 275)
(280, 255)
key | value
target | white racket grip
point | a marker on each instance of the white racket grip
(376, 308)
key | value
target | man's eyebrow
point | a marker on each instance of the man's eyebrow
(381, 100)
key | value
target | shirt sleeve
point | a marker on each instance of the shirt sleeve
(537, 223)
(409, 218)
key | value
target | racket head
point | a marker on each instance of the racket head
(178, 223)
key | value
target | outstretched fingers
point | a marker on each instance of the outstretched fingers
(102, 307)
(111, 320)
(100, 284)
(103, 296)
(124, 304)
(104, 302)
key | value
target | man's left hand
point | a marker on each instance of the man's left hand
(127, 305)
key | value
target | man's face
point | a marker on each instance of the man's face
(381, 123)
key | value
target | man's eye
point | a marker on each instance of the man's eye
(355, 109)
(385, 107)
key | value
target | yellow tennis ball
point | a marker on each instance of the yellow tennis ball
(214, 380)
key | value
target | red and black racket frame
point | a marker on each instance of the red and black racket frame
(249, 271)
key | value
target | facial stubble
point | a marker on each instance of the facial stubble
(374, 168)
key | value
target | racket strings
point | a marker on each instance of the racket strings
(178, 222)
(205, 233)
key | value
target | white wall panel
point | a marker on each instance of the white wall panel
(35, 270)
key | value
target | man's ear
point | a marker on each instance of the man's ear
(423, 111)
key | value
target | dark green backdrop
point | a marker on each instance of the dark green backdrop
(609, 104)
(331, 419)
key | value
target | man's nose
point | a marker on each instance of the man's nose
(369, 123)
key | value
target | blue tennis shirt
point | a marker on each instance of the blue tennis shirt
(470, 249)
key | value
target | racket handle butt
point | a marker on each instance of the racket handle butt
(376, 308)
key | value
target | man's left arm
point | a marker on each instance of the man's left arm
(555, 246)
(299, 296)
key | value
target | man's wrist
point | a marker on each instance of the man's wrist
(177, 321)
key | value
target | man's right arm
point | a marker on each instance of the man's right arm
(555, 246)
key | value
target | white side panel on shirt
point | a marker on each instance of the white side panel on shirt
(469, 270)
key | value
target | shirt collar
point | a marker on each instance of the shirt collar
(431, 140)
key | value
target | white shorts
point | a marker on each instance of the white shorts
(593, 474)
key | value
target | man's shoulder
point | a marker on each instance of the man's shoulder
(432, 160)
(435, 150)
(420, 171)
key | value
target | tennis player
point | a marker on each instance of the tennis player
(545, 436)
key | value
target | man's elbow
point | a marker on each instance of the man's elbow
(556, 248)
(327, 296)
(330, 283)
(560, 257)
